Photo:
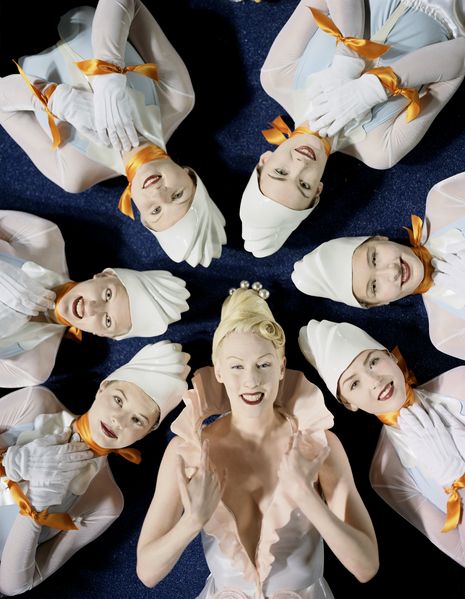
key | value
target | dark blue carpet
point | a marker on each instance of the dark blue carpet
(224, 45)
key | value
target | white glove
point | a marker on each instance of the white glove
(43, 494)
(342, 69)
(22, 293)
(75, 107)
(432, 444)
(113, 112)
(47, 459)
(454, 424)
(332, 111)
(450, 273)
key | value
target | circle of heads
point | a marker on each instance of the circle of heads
(257, 287)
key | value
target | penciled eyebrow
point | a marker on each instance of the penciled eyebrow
(242, 359)
(365, 362)
(297, 186)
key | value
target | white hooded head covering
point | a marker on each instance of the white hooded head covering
(266, 224)
(156, 299)
(327, 271)
(160, 370)
(196, 238)
(331, 347)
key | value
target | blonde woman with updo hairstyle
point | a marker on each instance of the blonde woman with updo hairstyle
(265, 483)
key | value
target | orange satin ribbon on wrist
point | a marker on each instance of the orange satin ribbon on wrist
(454, 504)
(147, 154)
(43, 99)
(82, 427)
(365, 48)
(94, 66)
(73, 332)
(390, 418)
(390, 81)
(280, 132)
(415, 235)
(61, 521)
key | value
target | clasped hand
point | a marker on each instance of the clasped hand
(21, 293)
(432, 444)
(201, 493)
(300, 466)
(450, 272)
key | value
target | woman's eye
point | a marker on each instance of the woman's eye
(118, 400)
(108, 295)
(156, 210)
(281, 171)
(177, 195)
(373, 287)
(236, 367)
(374, 362)
(373, 258)
(353, 385)
(264, 365)
(107, 321)
(137, 421)
(305, 185)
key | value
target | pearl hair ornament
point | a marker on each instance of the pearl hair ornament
(256, 286)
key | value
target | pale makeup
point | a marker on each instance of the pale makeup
(384, 271)
(163, 192)
(249, 367)
(291, 175)
(99, 305)
(373, 383)
(121, 414)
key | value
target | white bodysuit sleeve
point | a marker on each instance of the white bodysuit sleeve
(115, 22)
(394, 485)
(26, 564)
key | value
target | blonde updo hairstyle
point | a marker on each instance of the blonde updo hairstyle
(244, 311)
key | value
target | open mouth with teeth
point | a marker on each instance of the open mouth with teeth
(306, 152)
(252, 399)
(107, 431)
(152, 180)
(386, 392)
(405, 272)
(78, 307)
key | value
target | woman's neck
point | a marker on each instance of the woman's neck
(253, 429)
(128, 155)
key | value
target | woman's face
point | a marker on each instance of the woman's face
(373, 382)
(163, 192)
(249, 367)
(99, 305)
(121, 414)
(384, 271)
(291, 175)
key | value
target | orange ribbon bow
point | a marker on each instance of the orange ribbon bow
(454, 504)
(365, 48)
(82, 427)
(415, 236)
(390, 418)
(61, 521)
(279, 132)
(94, 66)
(147, 154)
(73, 332)
(43, 99)
(391, 82)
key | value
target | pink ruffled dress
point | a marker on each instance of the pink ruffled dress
(289, 556)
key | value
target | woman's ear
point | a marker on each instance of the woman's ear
(103, 385)
(263, 158)
(218, 373)
(283, 369)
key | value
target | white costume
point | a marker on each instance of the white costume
(289, 559)
(28, 355)
(398, 473)
(327, 270)
(159, 108)
(31, 552)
